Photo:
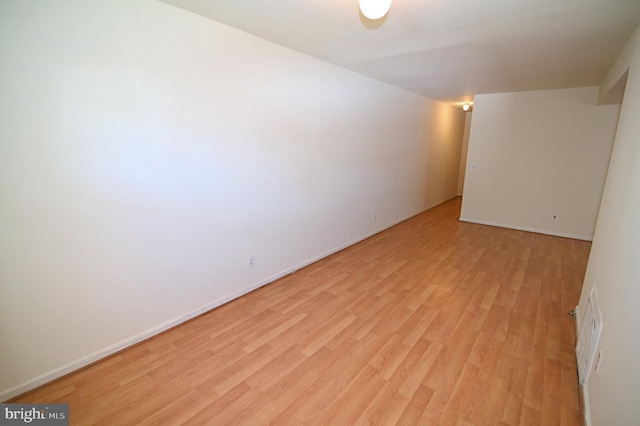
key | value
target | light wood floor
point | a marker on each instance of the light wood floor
(431, 322)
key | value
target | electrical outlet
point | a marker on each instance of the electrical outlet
(474, 167)
(252, 262)
(554, 217)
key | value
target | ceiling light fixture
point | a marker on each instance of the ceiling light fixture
(466, 106)
(374, 9)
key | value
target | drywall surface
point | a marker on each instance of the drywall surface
(533, 155)
(465, 149)
(614, 269)
(613, 84)
(147, 153)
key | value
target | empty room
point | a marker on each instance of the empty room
(319, 212)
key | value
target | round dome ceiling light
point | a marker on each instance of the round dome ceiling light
(374, 9)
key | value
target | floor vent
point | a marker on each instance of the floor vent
(588, 337)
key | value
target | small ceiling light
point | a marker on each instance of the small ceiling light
(374, 9)
(466, 106)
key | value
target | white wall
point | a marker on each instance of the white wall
(146, 153)
(465, 149)
(614, 269)
(538, 154)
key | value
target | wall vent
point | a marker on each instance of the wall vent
(588, 337)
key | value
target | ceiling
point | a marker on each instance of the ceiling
(447, 50)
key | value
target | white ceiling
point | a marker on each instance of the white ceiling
(448, 50)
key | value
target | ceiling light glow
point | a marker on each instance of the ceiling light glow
(374, 9)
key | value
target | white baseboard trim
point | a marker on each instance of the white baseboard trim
(584, 391)
(534, 230)
(147, 334)
(586, 411)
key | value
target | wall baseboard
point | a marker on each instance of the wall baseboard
(522, 228)
(583, 393)
(586, 411)
(153, 331)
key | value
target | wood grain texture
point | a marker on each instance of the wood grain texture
(433, 321)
